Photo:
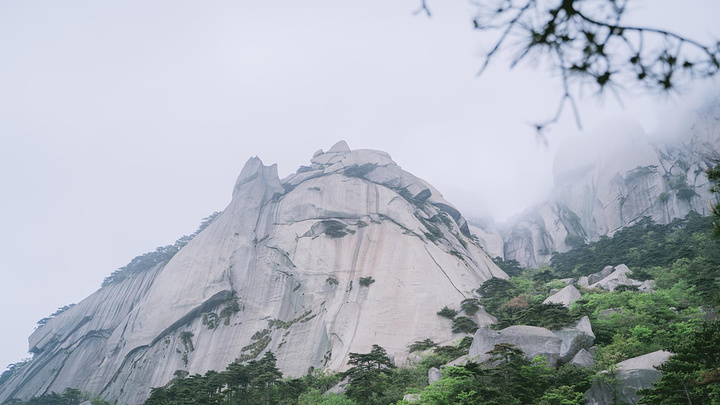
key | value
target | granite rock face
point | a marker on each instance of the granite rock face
(278, 270)
(611, 181)
(632, 375)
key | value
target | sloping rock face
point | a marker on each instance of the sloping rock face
(279, 269)
(631, 376)
(611, 181)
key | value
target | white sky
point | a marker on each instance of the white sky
(123, 123)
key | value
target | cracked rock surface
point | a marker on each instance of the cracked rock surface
(279, 269)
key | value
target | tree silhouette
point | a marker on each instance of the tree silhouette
(368, 374)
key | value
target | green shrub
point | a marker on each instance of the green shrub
(335, 229)
(359, 171)
(366, 281)
(419, 346)
(470, 306)
(447, 313)
(463, 324)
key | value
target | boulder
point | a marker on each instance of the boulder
(340, 146)
(615, 279)
(583, 358)
(460, 361)
(434, 374)
(584, 282)
(411, 398)
(647, 286)
(595, 277)
(483, 318)
(631, 376)
(566, 296)
(338, 388)
(575, 339)
(532, 340)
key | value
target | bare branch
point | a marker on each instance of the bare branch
(423, 9)
(595, 50)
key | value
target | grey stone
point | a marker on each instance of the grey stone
(412, 398)
(583, 358)
(434, 374)
(575, 339)
(606, 271)
(460, 361)
(616, 278)
(532, 340)
(566, 296)
(483, 318)
(594, 278)
(584, 281)
(647, 286)
(631, 376)
(339, 147)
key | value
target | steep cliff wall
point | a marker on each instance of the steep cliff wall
(279, 269)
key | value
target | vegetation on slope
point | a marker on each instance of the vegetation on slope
(682, 257)
(162, 254)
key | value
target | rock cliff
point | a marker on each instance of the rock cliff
(609, 181)
(348, 252)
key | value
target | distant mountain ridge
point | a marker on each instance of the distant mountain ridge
(602, 186)
(348, 252)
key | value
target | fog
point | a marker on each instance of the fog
(122, 124)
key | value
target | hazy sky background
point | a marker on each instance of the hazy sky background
(123, 123)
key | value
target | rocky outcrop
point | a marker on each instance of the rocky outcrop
(279, 269)
(579, 337)
(610, 278)
(631, 376)
(618, 277)
(534, 341)
(566, 296)
(612, 179)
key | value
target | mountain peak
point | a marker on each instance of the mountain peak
(346, 253)
(254, 169)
